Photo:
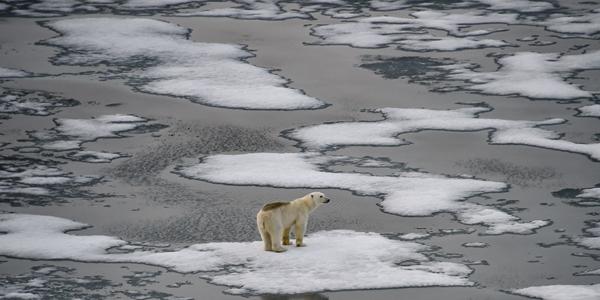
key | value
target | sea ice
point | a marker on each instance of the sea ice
(407, 193)
(381, 31)
(70, 134)
(561, 292)
(333, 260)
(249, 9)
(7, 73)
(592, 240)
(530, 74)
(158, 57)
(398, 121)
(589, 111)
(29, 177)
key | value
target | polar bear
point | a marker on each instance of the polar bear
(275, 220)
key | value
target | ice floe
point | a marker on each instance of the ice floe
(71, 134)
(530, 74)
(398, 121)
(585, 25)
(475, 245)
(8, 73)
(523, 6)
(589, 111)
(407, 193)
(592, 238)
(414, 236)
(518, 5)
(158, 57)
(333, 260)
(561, 292)
(590, 193)
(409, 34)
(248, 9)
(29, 102)
(28, 179)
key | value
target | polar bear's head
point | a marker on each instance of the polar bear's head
(319, 198)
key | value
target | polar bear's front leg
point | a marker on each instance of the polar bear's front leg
(300, 229)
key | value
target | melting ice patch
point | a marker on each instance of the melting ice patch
(398, 121)
(592, 238)
(28, 102)
(71, 134)
(248, 9)
(407, 193)
(333, 260)
(8, 73)
(158, 57)
(28, 179)
(409, 34)
(585, 25)
(530, 74)
(561, 292)
(589, 111)
(518, 5)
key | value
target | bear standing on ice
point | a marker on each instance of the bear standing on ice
(275, 220)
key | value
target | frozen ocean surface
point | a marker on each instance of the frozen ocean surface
(458, 140)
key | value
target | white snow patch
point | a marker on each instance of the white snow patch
(19, 295)
(333, 260)
(381, 31)
(407, 194)
(475, 245)
(562, 292)
(585, 25)
(7, 73)
(432, 43)
(590, 193)
(399, 121)
(414, 236)
(518, 5)
(530, 74)
(591, 241)
(207, 73)
(41, 180)
(95, 156)
(70, 134)
(589, 111)
(250, 10)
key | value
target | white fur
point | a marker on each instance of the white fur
(275, 224)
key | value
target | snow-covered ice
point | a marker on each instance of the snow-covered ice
(561, 292)
(410, 34)
(249, 9)
(8, 73)
(475, 245)
(407, 193)
(333, 260)
(159, 58)
(414, 236)
(70, 134)
(589, 111)
(31, 102)
(398, 121)
(589, 193)
(530, 74)
(31, 178)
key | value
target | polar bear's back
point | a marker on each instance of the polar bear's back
(274, 205)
